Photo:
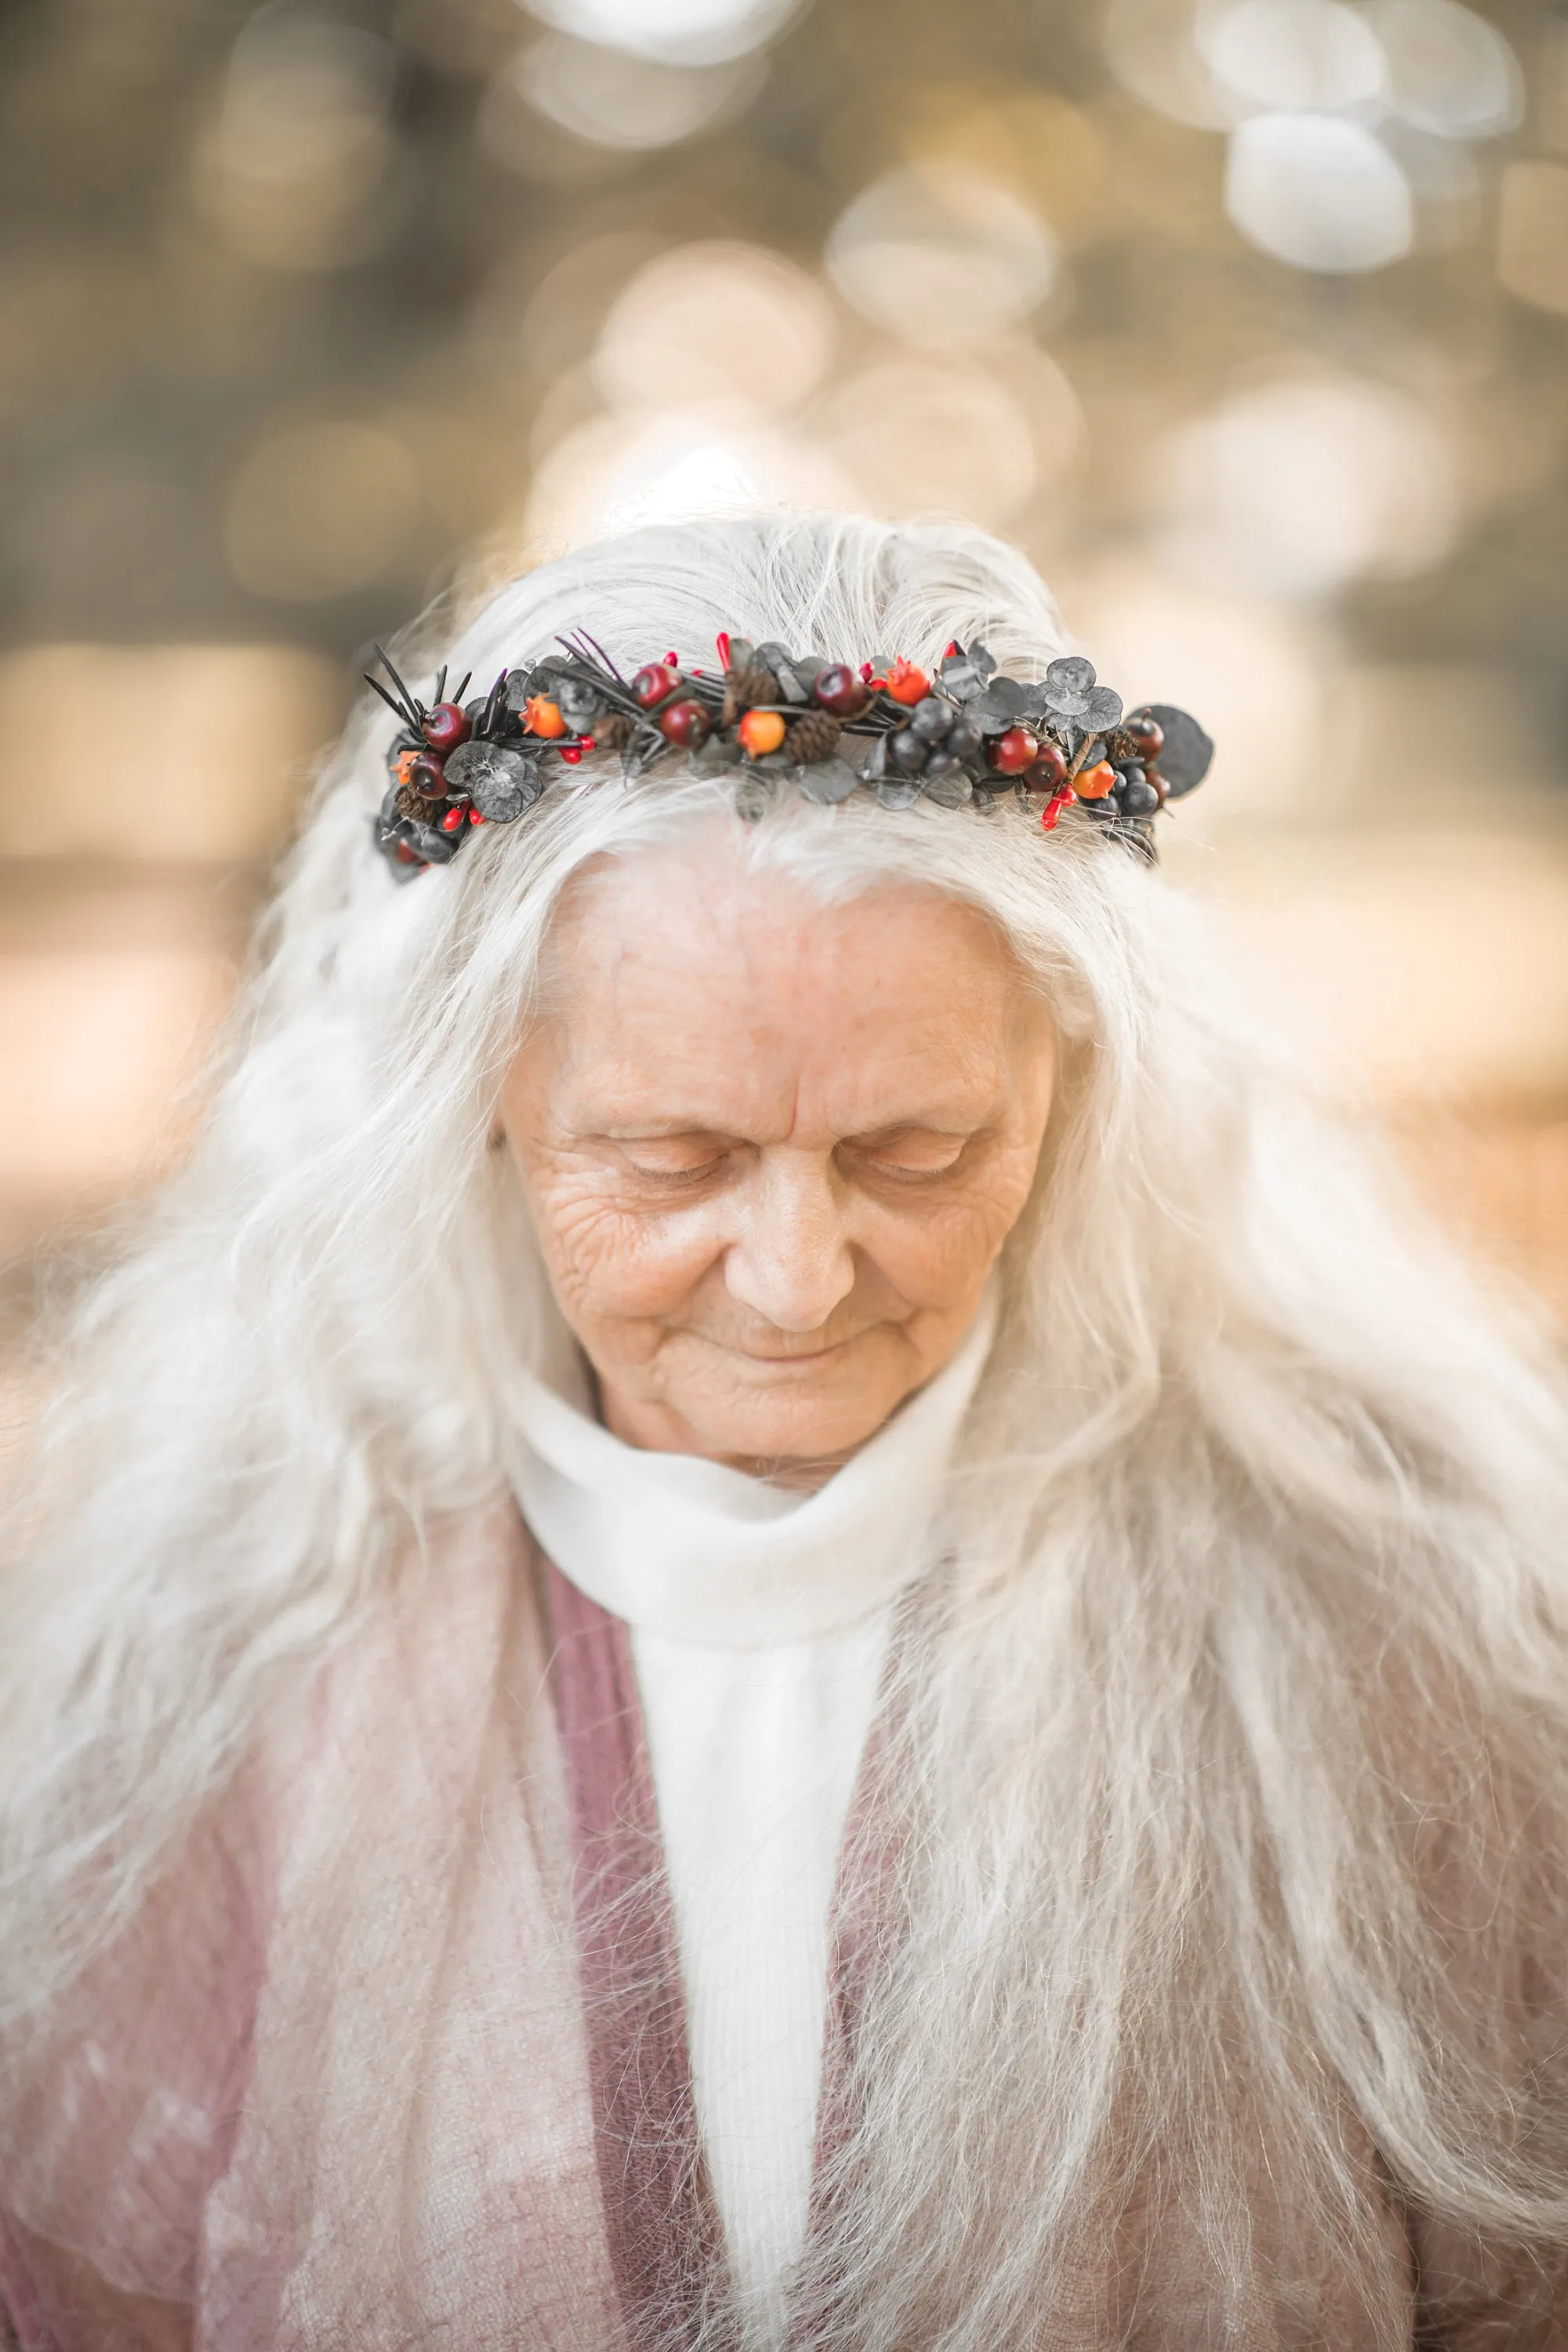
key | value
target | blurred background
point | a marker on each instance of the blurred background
(1248, 319)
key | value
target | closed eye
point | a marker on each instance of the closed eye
(916, 1154)
(674, 1159)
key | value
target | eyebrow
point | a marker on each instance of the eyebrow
(932, 1121)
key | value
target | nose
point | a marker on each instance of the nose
(791, 1260)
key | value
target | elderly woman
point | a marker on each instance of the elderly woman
(772, 1613)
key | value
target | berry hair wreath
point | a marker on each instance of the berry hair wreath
(766, 716)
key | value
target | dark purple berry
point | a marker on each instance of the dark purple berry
(907, 751)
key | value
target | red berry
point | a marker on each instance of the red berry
(1146, 734)
(571, 754)
(445, 727)
(839, 690)
(474, 818)
(1011, 754)
(1049, 769)
(651, 684)
(452, 820)
(685, 723)
(425, 775)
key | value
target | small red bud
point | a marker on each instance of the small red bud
(474, 818)
(571, 754)
(452, 820)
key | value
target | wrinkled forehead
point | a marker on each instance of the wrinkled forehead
(683, 982)
(696, 913)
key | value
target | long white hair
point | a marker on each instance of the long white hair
(1254, 1595)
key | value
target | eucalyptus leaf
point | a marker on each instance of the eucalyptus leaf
(499, 781)
(1102, 708)
(775, 657)
(435, 847)
(1185, 755)
(827, 781)
(712, 758)
(950, 791)
(753, 797)
(1067, 679)
(995, 710)
(899, 791)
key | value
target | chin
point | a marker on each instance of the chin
(801, 1420)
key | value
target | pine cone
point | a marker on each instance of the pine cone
(744, 689)
(414, 805)
(613, 733)
(813, 736)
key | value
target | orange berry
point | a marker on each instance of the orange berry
(760, 732)
(907, 684)
(544, 717)
(1096, 782)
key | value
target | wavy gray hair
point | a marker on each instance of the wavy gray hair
(1254, 1593)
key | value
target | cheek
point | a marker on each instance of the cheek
(939, 1249)
(606, 1260)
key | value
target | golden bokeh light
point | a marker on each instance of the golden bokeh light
(1245, 319)
(1532, 233)
(320, 507)
(135, 738)
(716, 320)
(917, 436)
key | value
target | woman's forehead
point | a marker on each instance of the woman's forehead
(734, 1000)
(697, 911)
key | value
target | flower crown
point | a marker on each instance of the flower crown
(766, 716)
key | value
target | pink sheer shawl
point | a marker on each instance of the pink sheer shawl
(334, 2088)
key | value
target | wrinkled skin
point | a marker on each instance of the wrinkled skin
(772, 1149)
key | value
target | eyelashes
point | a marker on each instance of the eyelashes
(691, 1176)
